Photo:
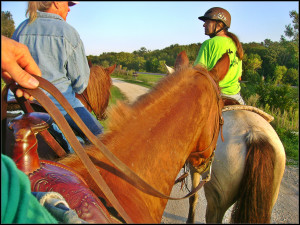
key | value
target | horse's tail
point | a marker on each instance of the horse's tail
(255, 195)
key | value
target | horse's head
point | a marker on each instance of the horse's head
(110, 69)
(217, 73)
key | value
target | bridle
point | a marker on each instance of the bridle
(219, 120)
(83, 95)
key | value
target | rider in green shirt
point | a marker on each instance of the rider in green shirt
(216, 22)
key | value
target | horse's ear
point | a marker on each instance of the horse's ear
(222, 66)
(110, 69)
(90, 63)
(169, 69)
(182, 60)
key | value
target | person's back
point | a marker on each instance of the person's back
(59, 52)
(54, 45)
(211, 51)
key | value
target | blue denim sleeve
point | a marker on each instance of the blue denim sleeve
(78, 69)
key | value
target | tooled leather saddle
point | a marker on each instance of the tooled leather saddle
(46, 176)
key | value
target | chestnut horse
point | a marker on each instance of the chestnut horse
(247, 169)
(155, 136)
(96, 96)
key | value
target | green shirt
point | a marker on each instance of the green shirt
(211, 51)
(18, 205)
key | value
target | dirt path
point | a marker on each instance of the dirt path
(286, 209)
(131, 91)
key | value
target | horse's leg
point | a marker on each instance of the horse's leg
(217, 202)
(193, 200)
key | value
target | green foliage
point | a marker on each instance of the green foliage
(282, 97)
(290, 142)
(291, 77)
(279, 72)
(7, 24)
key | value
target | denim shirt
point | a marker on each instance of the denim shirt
(59, 52)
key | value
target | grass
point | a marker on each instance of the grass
(115, 96)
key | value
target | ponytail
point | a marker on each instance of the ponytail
(240, 51)
(34, 6)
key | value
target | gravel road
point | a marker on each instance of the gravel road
(285, 211)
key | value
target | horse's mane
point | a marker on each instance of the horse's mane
(164, 93)
(98, 90)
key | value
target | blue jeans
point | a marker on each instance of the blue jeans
(90, 121)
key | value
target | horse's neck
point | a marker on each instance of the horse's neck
(154, 138)
(156, 146)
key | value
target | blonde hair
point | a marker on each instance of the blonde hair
(34, 6)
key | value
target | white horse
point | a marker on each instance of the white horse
(247, 169)
(244, 133)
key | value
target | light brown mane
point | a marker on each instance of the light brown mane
(98, 90)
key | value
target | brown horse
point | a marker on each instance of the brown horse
(96, 96)
(155, 136)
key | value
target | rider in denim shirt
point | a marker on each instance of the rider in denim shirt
(59, 52)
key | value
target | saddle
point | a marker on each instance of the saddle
(47, 176)
(229, 101)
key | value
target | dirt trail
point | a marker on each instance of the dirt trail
(286, 209)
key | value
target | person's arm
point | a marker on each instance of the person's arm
(78, 69)
(17, 64)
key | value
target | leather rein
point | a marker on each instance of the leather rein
(83, 95)
(134, 179)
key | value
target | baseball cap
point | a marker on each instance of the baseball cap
(71, 3)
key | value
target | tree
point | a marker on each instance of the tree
(291, 77)
(292, 31)
(251, 64)
(7, 24)
(279, 73)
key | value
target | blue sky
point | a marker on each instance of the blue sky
(116, 26)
